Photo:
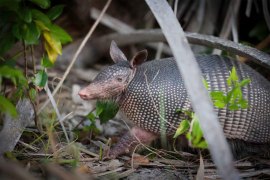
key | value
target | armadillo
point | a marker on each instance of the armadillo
(149, 93)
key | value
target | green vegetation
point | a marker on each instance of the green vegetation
(105, 110)
(29, 22)
(233, 100)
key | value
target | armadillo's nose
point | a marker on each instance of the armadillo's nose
(83, 94)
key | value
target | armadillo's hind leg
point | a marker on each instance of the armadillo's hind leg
(130, 140)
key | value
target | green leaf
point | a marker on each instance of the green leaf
(31, 33)
(232, 78)
(7, 107)
(40, 16)
(107, 110)
(244, 82)
(217, 95)
(195, 135)
(40, 78)
(42, 3)
(202, 144)
(27, 32)
(219, 99)
(219, 104)
(183, 127)
(99, 110)
(233, 107)
(26, 15)
(17, 31)
(243, 104)
(15, 75)
(60, 34)
(196, 130)
(55, 12)
(41, 26)
(91, 116)
(45, 62)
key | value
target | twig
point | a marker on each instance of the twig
(156, 35)
(109, 172)
(48, 91)
(121, 27)
(77, 53)
(89, 152)
(200, 100)
(29, 146)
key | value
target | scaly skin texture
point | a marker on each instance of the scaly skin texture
(150, 94)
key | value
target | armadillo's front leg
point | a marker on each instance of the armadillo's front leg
(130, 140)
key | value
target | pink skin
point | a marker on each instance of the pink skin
(101, 90)
(112, 87)
(130, 140)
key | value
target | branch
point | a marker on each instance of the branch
(201, 103)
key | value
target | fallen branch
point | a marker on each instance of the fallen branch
(201, 103)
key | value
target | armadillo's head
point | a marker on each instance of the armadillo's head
(113, 80)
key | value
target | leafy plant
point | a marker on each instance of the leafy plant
(191, 128)
(233, 99)
(29, 22)
(18, 80)
(195, 134)
(105, 110)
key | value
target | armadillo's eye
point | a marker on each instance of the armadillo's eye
(119, 79)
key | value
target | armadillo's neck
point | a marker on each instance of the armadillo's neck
(150, 77)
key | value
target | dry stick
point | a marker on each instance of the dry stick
(156, 35)
(253, 54)
(218, 146)
(122, 27)
(77, 53)
(48, 91)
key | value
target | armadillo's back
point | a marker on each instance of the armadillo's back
(251, 124)
(157, 93)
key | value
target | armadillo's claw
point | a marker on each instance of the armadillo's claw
(128, 142)
(108, 156)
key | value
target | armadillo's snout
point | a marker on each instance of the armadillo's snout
(83, 94)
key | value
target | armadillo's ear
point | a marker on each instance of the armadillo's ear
(138, 59)
(116, 54)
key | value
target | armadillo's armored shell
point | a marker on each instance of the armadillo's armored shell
(157, 92)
